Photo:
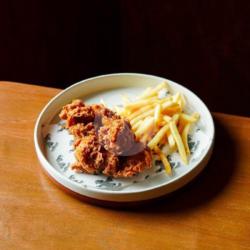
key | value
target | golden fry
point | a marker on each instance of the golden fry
(139, 104)
(196, 115)
(145, 127)
(181, 126)
(157, 114)
(142, 116)
(189, 118)
(145, 138)
(145, 93)
(154, 91)
(164, 160)
(167, 118)
(182, 101)
(176, 97)
(151, 105)
(160, 86)
(157, 138)
(184, 137)
(171, 141)
(175, 118)
(172, 110)
(178, 140)
(160, 121)
(140, 111)
(167, 104)
(137, 125)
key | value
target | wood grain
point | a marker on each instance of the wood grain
(213, 212)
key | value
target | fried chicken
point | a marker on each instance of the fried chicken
(77, 112)
(89, 154)
(134, 164)
(80, 130)
(104, 142)
(116, 135)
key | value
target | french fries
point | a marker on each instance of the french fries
(154, 92)
(184, 137)
(140, 111)
(146, 126)
(171, 141)
(159, 135)
(157, 114)
(140, 103)
(137, 125)
(158, 119)
(164, 160)
(177, 138)
(142, 116)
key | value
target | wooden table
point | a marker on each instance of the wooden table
(213, 212)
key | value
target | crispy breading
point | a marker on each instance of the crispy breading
(77, 112)
(89, 154)
(104, 142)
(116, 135)
(79, 130)
(134, 164)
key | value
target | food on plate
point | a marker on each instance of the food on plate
(158, 119)
(104, 141)
(124, 142)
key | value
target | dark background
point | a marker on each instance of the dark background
(204, 45)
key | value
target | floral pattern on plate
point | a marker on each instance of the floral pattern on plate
(60, 153)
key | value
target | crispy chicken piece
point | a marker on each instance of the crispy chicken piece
(77, 112)
(134, 164)
(111, 164)
(89, 154)
(101, 110)
(80, 130)
(93, 159)
(116, 135)
(104, 142)
(101, 113)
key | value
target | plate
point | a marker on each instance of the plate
(54, 148)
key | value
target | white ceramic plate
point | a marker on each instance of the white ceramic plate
(54, 145)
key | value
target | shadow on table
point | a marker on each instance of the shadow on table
(209, 184)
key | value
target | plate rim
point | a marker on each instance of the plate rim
(43, 160)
